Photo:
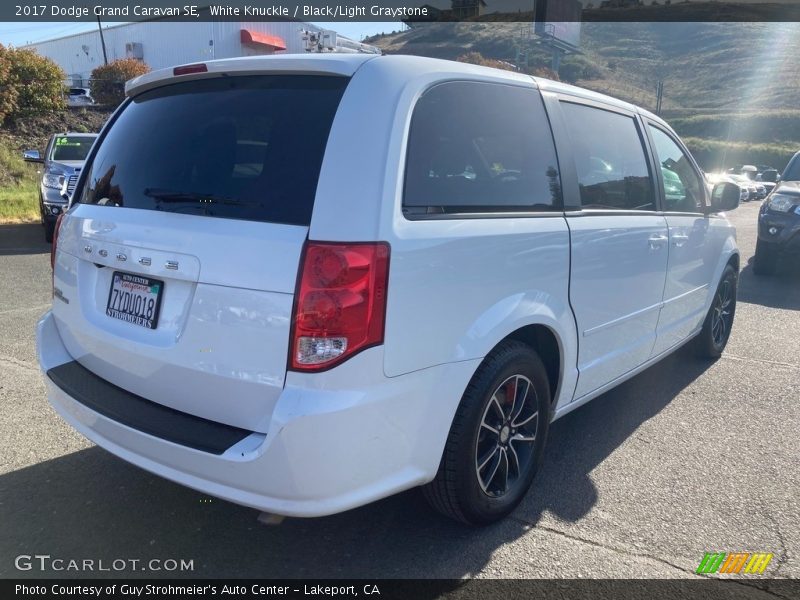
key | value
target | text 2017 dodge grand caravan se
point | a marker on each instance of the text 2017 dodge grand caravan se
(305, 283)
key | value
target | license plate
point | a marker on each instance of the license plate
(134, 299)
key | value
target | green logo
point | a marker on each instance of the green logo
(732, 562)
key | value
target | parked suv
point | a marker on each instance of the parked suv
(79, 96)
(63, 157)
(318, 281)
(779, 221)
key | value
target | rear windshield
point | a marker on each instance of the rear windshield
(245, 147)
(71, 147)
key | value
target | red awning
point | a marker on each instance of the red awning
(263, 39)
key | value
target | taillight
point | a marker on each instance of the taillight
(189, 69)
(340, 304)
(55, 241)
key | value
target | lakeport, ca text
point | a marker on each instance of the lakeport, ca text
(257, 589)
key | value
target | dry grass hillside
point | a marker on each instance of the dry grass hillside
(733, 89)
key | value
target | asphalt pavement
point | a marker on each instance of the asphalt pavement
(688, 457)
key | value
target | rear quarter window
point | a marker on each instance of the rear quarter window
(792, 171)
(245, 147)
(480, 147)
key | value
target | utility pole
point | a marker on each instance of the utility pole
(102, 41)
(556, 63)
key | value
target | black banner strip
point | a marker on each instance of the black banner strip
(710, 588)
(409, 11)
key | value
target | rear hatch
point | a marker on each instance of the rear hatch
(175, 271)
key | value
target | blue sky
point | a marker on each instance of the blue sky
(21, 33)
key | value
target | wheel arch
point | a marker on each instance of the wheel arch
(735, 260)
(547, 344)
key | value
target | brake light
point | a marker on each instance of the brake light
(340, 304)
(189, 69)
(55, 241)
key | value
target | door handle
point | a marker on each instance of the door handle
(679, 239)
(656, 241)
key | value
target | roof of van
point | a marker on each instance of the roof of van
(332, 64)
(347, 64)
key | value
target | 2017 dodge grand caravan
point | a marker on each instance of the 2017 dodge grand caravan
(306, 283)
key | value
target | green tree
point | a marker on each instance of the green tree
(108, 81)
(30, 84)
(8, 93)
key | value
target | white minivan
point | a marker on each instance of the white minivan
(304, 283)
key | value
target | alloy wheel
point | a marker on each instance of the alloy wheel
(722, 315)
(508, 430)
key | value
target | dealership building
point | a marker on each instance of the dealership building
(160, 43)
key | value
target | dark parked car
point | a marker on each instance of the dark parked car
(751, 186)
(762, 168)
(769, 178)
(752, 174)
(63, 157)
(714, 178)
(779, 221)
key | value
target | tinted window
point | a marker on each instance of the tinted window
(71, 147)
(792, 171)
(237, 147)
(770, 175)
(609, 159)
(479, 147)
(683, 191)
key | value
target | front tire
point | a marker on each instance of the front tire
(765, 260)
(496, 442)
(716, 331)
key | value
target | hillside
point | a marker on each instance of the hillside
(18, 179)
(723, 82)
(747, 65)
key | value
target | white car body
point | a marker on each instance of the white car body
(78, 96)
(613, 294)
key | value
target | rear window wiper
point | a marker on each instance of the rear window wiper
(162, 195)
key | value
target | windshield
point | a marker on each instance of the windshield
(71, 147)
(246, 147)
(792, 172)
(770, 176)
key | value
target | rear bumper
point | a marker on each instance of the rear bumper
(329, 447)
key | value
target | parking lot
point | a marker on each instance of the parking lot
(689, 457)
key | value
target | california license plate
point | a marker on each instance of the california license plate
(135, 299)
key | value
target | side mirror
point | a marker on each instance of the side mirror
(725, 196)
(32, 156)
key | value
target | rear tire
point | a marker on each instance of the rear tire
(713, 338)
(496, 442)
(765, 260)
